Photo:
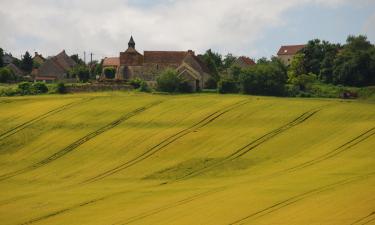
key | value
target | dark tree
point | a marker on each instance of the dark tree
(77, 59)
(1, 57)
(27, 62)
(228, 61)
(355, 64)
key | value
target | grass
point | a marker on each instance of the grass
(133, 158)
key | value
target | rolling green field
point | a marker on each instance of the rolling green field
(131, 158)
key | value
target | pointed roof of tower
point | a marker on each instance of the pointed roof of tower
(131, 43)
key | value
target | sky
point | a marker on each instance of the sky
(253, 28)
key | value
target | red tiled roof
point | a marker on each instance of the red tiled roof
(111, 61)
(247, 60)
(164, 57)
(45, 78)
(290, 49)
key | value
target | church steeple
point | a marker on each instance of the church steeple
(131, 43)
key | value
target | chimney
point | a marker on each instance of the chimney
(191, 52)
(36, 54)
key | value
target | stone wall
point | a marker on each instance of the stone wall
(97, 87)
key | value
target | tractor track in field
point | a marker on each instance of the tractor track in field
(80, 141)
(169, 206)
(56, 213)
(255, 143)
(158, 147)
(300, 197)
(26, 124)
(130, 220)
(353, 142)
(365, 220)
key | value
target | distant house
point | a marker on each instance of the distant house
(8, 59)
(38, 58)
(132, 64)
(16, 71)
(244, 62)
(287, 52)
(55, 68)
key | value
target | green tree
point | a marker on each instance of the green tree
(6, 75)
(76, 59)
(169, 81)
(354, 64)
(1, 57)
(235, 72)
(27, 62)
(109, 72)
(263, 60)
(214, 64)
(264, 79)
(228, 61)
(81, 72)
(296, 67)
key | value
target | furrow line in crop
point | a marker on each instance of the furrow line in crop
(297, 198)
(169, 206)
(158, 147)
(79, 142)
(26, 124)
(353, 142)
(253, 144)
(365, 220)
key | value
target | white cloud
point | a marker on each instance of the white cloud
(104, 27)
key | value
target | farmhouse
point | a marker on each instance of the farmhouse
(55, 68)
(131, 64)
(287, 52)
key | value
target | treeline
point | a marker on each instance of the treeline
(319, 62)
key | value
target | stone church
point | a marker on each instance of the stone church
(131, 64)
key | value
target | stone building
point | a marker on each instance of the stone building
(131, 64)
(55, 68)
(287, 52)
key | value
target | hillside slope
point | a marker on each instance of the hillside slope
(126, 158)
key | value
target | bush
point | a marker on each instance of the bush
(6, 75)
(109, 72)
(168, 81)
(9, 92)
(264, 79)
(39, 88)
(210, 83)
(143, 87)
(185, 87)
(81, 72)
(136, 83)
(60, 88)
(228, 86)
(25, 88)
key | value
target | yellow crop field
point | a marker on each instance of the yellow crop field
(132, 158)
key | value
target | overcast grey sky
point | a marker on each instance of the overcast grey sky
(254, 28)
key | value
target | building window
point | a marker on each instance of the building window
(157, 66)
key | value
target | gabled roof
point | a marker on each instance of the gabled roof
(245, 61)
(56, 65)
(64, 61)
(164, 57)
(290, 49)
(111, 61)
